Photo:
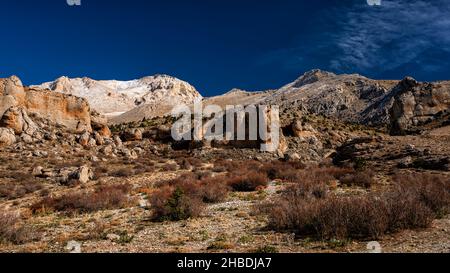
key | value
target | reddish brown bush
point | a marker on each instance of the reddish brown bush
(297, 172)
(361, 179)
(433, 190)
(412, 203)
(250, 181)
(213, 190)
(209, 190)
(13, 190)
(307, 190)
(335, 172)
(99, 172)
(281, 170)
(103, 198)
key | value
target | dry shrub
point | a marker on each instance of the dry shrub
(142, 168)
(312, 174)
(434, 190)
(203, 174)
(104, 197)
(297, 171)
(14, 190)
(287, 171)
(99, 172)
(12, 230)
(360, 178)
(123, 172)
(413, 203)
(170, 167)
(173, 204)
(247, 182)
(334, 172)
(213, 191)
(194, 161)
(185, 165)
(329, 218)
(222, 165)
(309, 189)
(185, 196)
(207, 189)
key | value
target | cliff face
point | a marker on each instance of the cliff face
(418, 104)
(68, 111)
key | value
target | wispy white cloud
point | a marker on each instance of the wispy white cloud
(388, 36)
(353, 37)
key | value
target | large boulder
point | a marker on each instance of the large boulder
(13, 87)
(17, 119)
(302, 129)
(83, 174)
(99, 124)
(7, 137)
(134, 134)
(11, 93)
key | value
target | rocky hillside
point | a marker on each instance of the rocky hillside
(113, 98)
(402, 105)
(346, 97)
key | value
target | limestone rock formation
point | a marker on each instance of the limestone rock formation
(113, 98)
(341, 96)
(7, 137)
(17, 119)
(416, 104)
(69, 111)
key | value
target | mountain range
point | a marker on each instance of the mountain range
(348, 97)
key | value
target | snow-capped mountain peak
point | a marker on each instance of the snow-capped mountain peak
(113, 97)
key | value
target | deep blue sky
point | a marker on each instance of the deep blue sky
(220, 44)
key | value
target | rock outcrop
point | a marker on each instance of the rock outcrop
(69, 111)
(17, 119)
(7, 137)
(34, 115)
(417, 104)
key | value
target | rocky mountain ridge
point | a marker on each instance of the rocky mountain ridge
(112, 97)
(396, 105)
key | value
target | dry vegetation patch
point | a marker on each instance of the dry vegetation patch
(104, 197)
(306, 209)
(12, 230)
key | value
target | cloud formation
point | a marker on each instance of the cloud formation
(393, 34)
(394, 39)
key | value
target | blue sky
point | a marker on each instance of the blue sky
(218, 45)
